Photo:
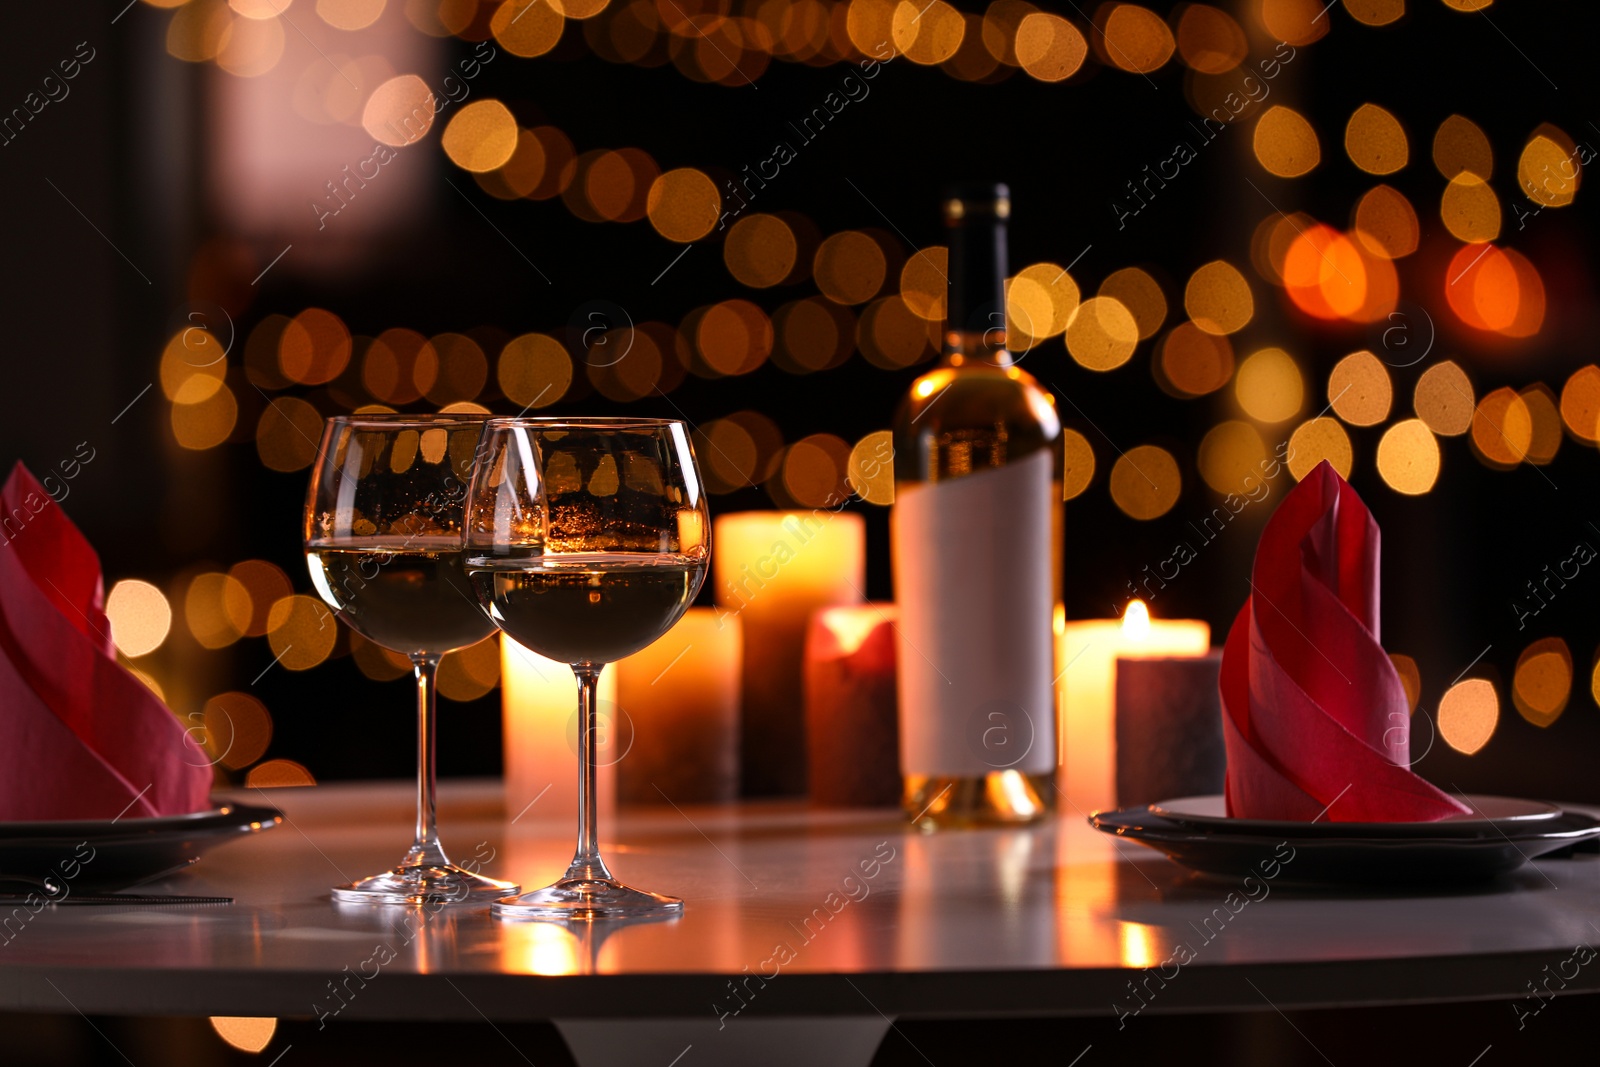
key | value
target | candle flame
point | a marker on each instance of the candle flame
(1136, 622)
(851, 626)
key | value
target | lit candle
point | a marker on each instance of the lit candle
(773, 569)
(852, 722)
(540, 705)
(1087, 691)
(682, 696)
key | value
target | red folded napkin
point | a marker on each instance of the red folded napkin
(1314, 716)
(80, 737)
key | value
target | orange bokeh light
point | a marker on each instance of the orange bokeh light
(1327, 275)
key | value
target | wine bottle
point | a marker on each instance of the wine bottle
(974, 449)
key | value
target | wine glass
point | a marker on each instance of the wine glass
(586, 540)
(383, 540)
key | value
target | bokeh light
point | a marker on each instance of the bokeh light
(733, 337)
(1468, 714)
(1141, 294)
(1410, 677)
(250, 1034)
(1444, 399)
(1542, 683)
(1386, 223)
(534, 370)
(1502, 428)
(1298, 22)
(265, 584)
(1077, 468)
(1269, 386)
(927, 33)
(481, 136)
(1102, 334)
(870, 471)
(1137, 39)
(217, 608)
(1285, 143)
(1359, 389)
(924, 281)
(469, 673)
(849, 267)
(1231, 457)
(237, 729)
(288, 434)
(1375, 141)
(1461, 147)
(139, 615)
(1408, 457)
(314, 347)
(814, 471)
(1193, 362)
(527, 28)
(1209, 40)
(760, 250)
(1218, 298)
(1145, 482)
(1470, 210)
(1580, 403)
(350, 14)
(301, 631)
(400, 111)
(1546, 417)
(1049, 47)
(1319, 439)
(683, 204)
(278, 774)
(1547, 172)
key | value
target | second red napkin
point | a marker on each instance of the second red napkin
(1315, 718)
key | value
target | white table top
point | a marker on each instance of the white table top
(1055, 919)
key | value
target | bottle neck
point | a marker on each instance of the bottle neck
(975, 322)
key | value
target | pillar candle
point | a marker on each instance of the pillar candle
(1169, 728)
(1088, 653)
(682, 696)
(852, 718)
(773, 569)
(540, 706)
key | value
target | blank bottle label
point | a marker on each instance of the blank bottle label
(975, 652)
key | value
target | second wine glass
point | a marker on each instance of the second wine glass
(586, 540)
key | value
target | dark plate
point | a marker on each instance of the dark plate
(1320, 859)
(102, 856)
(1490, 816)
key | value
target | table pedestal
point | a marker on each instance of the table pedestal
(839, 1041)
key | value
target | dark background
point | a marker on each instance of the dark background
(85, 326)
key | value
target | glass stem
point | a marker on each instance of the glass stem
(426, 850)
(586, 862)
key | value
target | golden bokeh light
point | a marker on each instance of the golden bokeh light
(250, 1034)
(1502, 428)
(278, 774)
(1061, 296)
(733, 337)
(1194, 362)
(1145, 482)
(206, 423)
(1375, 141)
(1470, 210)
(1546, 417)
(1326, 274)
(1269, 387)
(265, 584)
(301, 631)
(195, 33)
(1029, 313)
(1547, 173)
(1410, 677)
(850, 267)
(288, 434)
(870, 471)
(314, 347)
(237, 729)
(868, 23)
(1137, 39)
(760, 250)
(1376, 13)
(249, 48)
(469, 673)
(1102, 334)
(400, 111)
(1444, 399)
(683, 204)
(1285, 143)
(534, 370)
(139, 615)
(1272, 241)
(193, 366)
(1231, 457)
(1209, 40)
(460, 369)
(814, 470)
(1050, 48)
(638, 371)
(927, 33)
(617, 184)
(728, 454)
(924, 281)
(814, 334)
(1360, 390)
(1141, 294)
(1218, 298)
(520, 175)
(1298, 22)
(1319, 439)
(1468, 714)
(260, 9)
(1461, 147)
(377, 662)
(527, 28)
(217, 608)
(1468, 5)
(1543, 681)
(481, 136)
(890, 336)
(1077, 468)
(350, 14)
(1408, 457)
(1386, 223)
(1580, 403)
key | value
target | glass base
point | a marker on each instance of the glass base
(585, 899)
(424, 884)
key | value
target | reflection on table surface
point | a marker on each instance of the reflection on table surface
(771, 889)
